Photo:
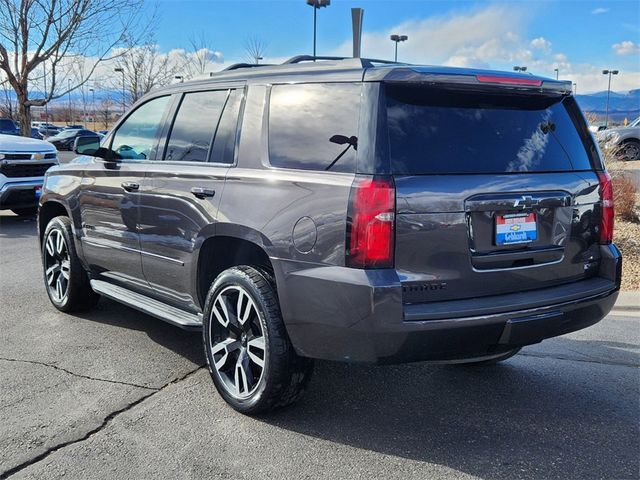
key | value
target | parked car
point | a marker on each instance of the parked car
(334, 210)
(64, 139)
(49, 131)
(74, 127)
(35, 133)
(9, 127)
(23, 163)
(624, 142)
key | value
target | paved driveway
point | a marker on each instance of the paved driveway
(114, 393)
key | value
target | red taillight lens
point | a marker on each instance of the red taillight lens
(506, 80)
(606, 198)
(371, 223)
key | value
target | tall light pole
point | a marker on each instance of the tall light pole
(316, 4)
(575, 88)
(257, 59)
(557, 73)
(608, 72)
(397, 39)
(69, 98)
(517, 68)
(93, 106)
(121, 70)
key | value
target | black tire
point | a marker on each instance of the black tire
(25, 212)
(284, 375)
(490, 361)
(630, 150)
(75, 293)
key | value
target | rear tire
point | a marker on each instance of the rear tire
(490, 361)
(630, 150)
(250, 357)
(25, 212)
(65, 279)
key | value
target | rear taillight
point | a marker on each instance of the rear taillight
(371, 223)
(606, 199)
(507, 80)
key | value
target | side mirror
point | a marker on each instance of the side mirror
(86, 145)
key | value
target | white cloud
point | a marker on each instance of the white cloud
(599, 11)
(626, 48)
(541, 43)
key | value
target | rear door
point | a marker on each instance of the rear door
(496, 192)
(182, 190)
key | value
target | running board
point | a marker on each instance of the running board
(173, 315)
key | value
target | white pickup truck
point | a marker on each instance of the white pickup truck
(23, 162)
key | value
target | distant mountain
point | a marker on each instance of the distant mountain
(621, 105)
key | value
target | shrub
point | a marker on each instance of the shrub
(624, 196)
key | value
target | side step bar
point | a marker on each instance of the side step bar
(173, 315)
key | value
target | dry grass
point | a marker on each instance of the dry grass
(627, 237)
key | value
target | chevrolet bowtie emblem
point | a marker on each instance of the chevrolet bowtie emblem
(526, 201)
(37, 156)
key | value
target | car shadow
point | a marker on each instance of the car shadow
(526, 418)
(187, 344)
(13, 226)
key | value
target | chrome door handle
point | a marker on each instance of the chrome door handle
(130, 186)
(201, 192)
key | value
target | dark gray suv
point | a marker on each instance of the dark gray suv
(341, 209)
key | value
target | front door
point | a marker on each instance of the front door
(182, 191)
(110, 196)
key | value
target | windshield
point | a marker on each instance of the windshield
(635, 123)
(435, 131)
(66, 133)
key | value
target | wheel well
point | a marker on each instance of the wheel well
(219, 253)
(48, 211)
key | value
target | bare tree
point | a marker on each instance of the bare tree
(145, 68)
(200, 56)
(45, 34)
(6, 102)
(105, 110)
(255, 48)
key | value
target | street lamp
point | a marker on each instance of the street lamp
(608, 72)
(69, 99)
(557, 73)
(121, 70)
(517, 68)
(316, 4)
(179, 77)
(397, 39)
(575, 88)
(93, 106)
(257, 58)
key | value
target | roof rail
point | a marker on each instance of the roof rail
(236, 66)
(366, 62)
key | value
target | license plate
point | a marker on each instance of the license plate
(516, 228)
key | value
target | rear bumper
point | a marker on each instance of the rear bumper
(345, 314)
(15, 193)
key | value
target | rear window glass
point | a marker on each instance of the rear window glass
(451, 132)
(314, 126)
(6, 124)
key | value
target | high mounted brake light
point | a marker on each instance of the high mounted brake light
(528, 82)
(371, 223)
(606, 198)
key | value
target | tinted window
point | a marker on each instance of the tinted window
(314, 126)
(136, 137)
(195, 125)
(224, 143)
(440, 132)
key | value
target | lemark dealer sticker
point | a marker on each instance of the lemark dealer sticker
(516, 228)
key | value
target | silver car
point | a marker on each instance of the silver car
(624, 142)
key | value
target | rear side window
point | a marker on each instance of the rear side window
(314, 126)
(195, 125)
(443, 132)
(6, 124)
(225, 139)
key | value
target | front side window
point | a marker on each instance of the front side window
(195, 125)
(314, 126)
(136, 137)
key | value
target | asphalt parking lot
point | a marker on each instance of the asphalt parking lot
(114, 393)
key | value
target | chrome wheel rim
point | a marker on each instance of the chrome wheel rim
(237, 344)
(57, 265)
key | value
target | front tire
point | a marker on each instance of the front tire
(250, 357)
(65, 279)
(630, 150)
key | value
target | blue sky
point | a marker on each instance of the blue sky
(579, 37)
